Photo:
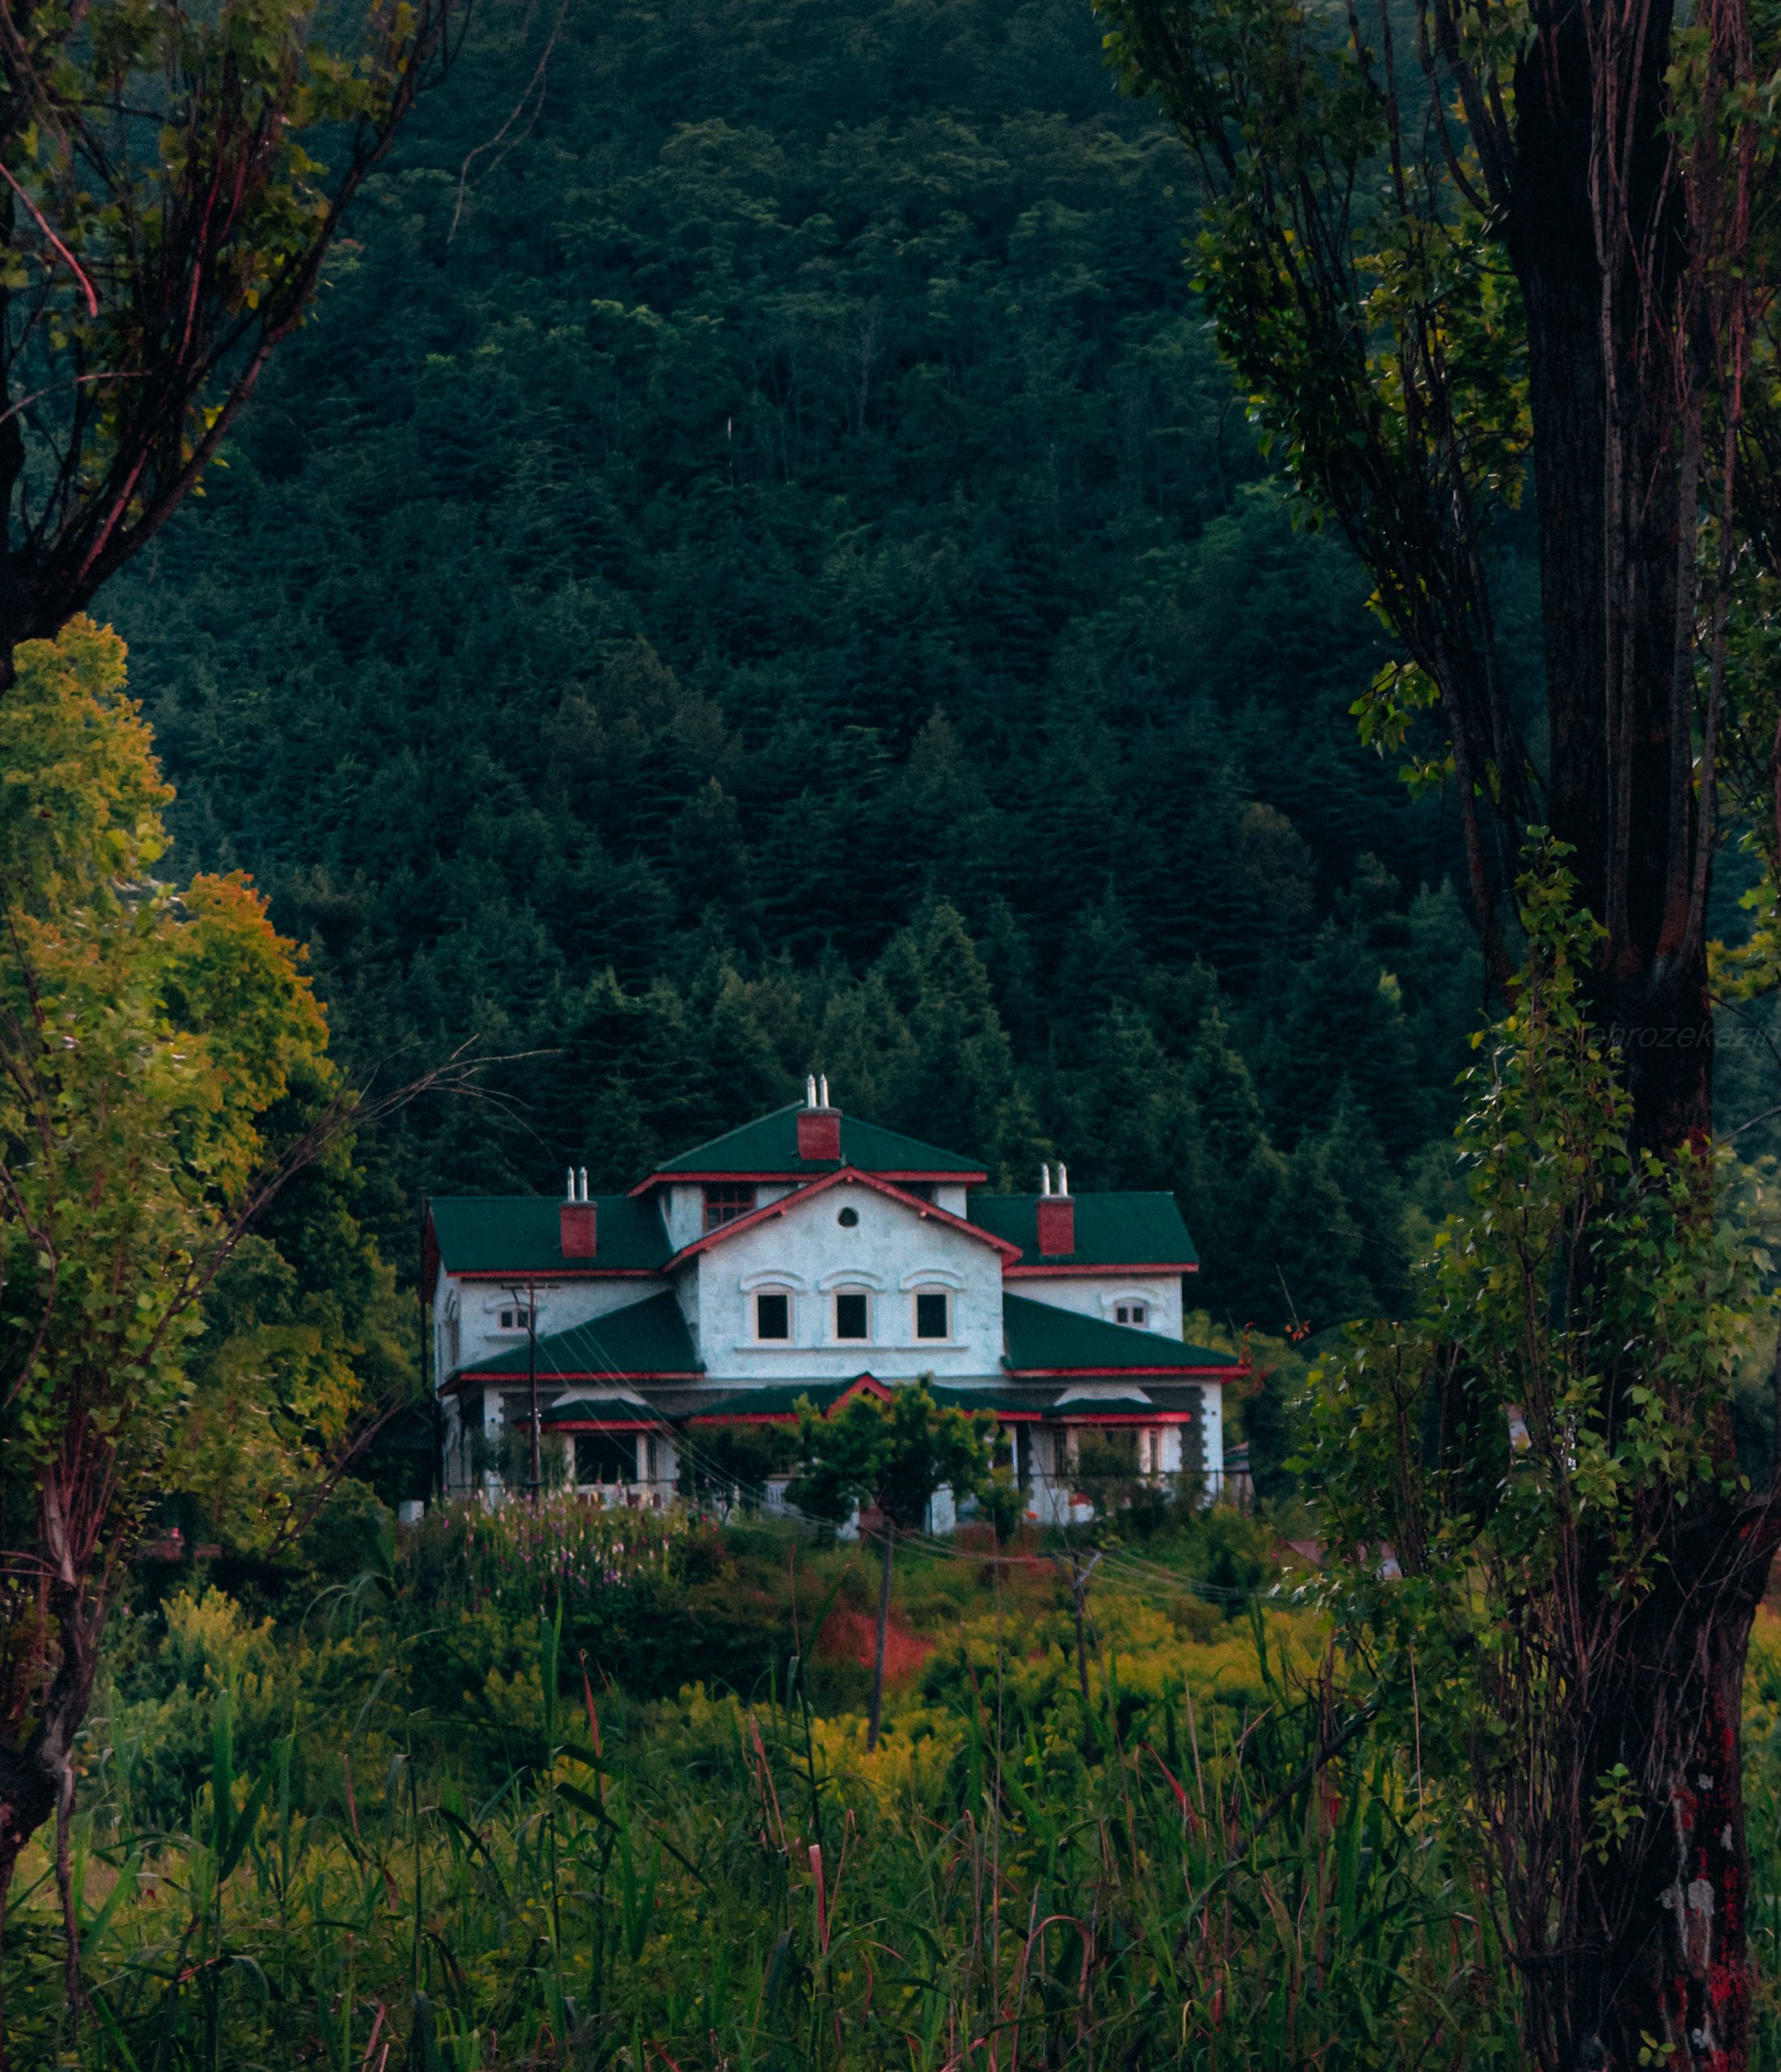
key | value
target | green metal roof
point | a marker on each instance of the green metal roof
(1133, 1229)
(778, 1399)
(1041, 1339)
(1004, 1401)
(649, 1337)
(521, 1233)
(619, 1412)
(769, 1145)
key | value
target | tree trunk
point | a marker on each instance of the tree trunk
(27, 1800)
(877, 1712)
(1619, 511)
(1648, 1944)
(32, 1777)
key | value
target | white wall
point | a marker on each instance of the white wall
(683, 1211)
(890, 1247)
(1096, 1295)
(1212, 1396)
(561, 1305)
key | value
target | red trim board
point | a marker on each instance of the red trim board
(849, 1175)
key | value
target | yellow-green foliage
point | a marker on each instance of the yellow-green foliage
(324, 1811)
(394, 1790)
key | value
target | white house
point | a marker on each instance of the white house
(811, 1254)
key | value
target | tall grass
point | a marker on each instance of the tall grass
(1018, 1878)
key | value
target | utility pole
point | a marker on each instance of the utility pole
(535, 1477)
(1080, 1573)
(534, 1471)
(429, 1389)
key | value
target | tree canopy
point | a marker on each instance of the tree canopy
(162, 1072)
(164, 220)
(768, 572)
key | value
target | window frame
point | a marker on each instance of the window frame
(776, 1293)
(1134, 1315)
(837, 1296)
(917, 1296)
(745, 1200)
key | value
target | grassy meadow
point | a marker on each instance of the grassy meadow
(475, 1807)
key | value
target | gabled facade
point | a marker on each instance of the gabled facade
(811, 1253)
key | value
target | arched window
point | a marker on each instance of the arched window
(934, 1313)
(772, 1315)
(853, 1319)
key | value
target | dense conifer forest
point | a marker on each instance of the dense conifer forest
(782, 580)
(756, 564)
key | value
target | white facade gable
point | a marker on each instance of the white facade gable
(1112, 1296)
(468, 1313)
(846, 1239)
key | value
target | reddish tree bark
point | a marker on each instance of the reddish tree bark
(1628, 232)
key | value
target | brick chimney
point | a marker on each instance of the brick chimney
(1057, 1215)
(818, 1125)
(576, 1217)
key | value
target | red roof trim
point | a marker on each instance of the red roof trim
(861, 1385)
(556, 1273)
(603, 1375)
(1124, 1374)
(743, 1417)
(970, 1177)
(725, 1231)
(597, 1424)
(1069, 1414)
(1039, 1270)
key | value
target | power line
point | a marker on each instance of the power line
(1139, 1574)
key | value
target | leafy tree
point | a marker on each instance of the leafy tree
(733, 1460)
(1542, 262)
(1001, 1504)
(305, 1331)
(1553, 1420)
(163, 228)
(148, 1039)
(892, 1455)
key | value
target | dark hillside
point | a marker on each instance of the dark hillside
(755, 565)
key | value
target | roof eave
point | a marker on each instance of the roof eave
(568, 1271)
(1121, 1373)
(1050, 1269)
(805, 1175)
(558, 1378)
(756, 1217)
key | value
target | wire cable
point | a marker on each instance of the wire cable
(1141, 1575)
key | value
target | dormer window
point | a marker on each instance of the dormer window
(725, 1201)
(853, 1313)
(519, 1319)
(1133, 1313)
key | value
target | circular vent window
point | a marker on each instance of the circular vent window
(848, 1218)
